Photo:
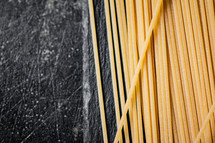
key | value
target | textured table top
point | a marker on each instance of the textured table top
(48, 87)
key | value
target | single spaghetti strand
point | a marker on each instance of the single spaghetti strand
(139, 66)
(98, 74)
(175, 133)
(119, 68)
(112, 63)
(123, 16)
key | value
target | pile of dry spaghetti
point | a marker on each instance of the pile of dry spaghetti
(162, 56)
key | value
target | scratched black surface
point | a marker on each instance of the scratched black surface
(40, 71)
(41, 92)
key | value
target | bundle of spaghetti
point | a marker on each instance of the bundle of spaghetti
(162, 59)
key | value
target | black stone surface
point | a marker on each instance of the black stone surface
(43, 85)
(41, 71)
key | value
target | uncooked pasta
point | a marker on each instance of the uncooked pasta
(162, 60)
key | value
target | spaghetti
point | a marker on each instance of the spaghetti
(162, 58)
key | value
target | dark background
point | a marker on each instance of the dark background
(48, 90)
